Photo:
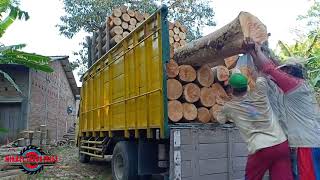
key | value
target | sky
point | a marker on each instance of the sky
(42, 36)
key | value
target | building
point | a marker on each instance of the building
(46, 99)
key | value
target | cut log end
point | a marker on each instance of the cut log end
(190, 111)
(125, 17)
(214, 110)
(133, 21)
(221, 73)
(131, 13)
(139, 16)
(117, 30)
(191, 93)
(172, 69)
(116, 12)
(231, 62)
(174, 89)
(176, 30)
(175, 111)
(218, 89)
(205, 76)
(203, 115)
(187, 73)
(207, 97)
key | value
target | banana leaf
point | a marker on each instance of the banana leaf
(15, 13)
(12, 47)
(284, 48)
(11, 81)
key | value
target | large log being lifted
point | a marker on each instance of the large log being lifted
(223, 43)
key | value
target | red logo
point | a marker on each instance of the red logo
(31, 160)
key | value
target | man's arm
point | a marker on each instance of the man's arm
(285, 81)
(222, 116)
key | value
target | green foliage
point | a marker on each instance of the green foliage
(309, 49)
(90, 14)
(312, 18)
(12, 54)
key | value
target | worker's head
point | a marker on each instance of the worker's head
(294, 67)
(239, 84)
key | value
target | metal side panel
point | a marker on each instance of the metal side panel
(206, 152)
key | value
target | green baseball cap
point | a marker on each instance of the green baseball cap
(238, 80)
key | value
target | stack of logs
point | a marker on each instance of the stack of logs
(122, 22)
(195, 93)
(117, 26)
(177, 34)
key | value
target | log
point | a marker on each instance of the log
(171, 33)
(116, 39)
(172, 69)
(177, 24)
(133, 21)
(117, 30)
(205, 76)
(176, 38)
(231, 62)
(171, 40)
(187, 73)
(171, 52)
(176, 30)
(221, 73)
(171, 26)
(175, 110)
(214, 110)
(183, 42)
(139, 16)
(116, 12)
(182, 35)
(207, 97)
(125, 17)
(219, 91)
(115, 21)
(191, 93)
(125, 33)
(190, 111)
(203, 115)
(131, 27)
(131, 13)
(125, 25)
(183, 29)
(176, 45)
(174, 89)
(123, 8)
(223, 43)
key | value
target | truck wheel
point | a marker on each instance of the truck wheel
(124, 161)
(83, 158)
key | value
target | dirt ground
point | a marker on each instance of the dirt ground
(69, 167)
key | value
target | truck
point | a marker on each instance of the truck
(124, 113)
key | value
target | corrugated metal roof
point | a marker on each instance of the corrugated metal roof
(64, 60)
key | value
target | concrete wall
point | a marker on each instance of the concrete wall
(50, 96)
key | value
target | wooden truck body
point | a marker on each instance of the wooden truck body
(123, 112)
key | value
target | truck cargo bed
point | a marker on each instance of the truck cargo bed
(206, 152)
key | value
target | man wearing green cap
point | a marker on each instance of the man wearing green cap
(267, 144)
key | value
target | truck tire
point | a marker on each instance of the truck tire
(83, 158)
(124, 161)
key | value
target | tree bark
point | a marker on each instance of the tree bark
(205, 76)
(187, 73)
(191, 93)
(175, 110)
(172, 69)
(203, 115)
(174, 89)
(223, 43)
(190, 111)
(207, 97)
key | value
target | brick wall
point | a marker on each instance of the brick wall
(50, 96)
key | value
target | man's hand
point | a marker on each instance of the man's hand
(252, 47)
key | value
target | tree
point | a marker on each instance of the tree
(12, 54)
(312, 18)
(308, 49)
(90, 14)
